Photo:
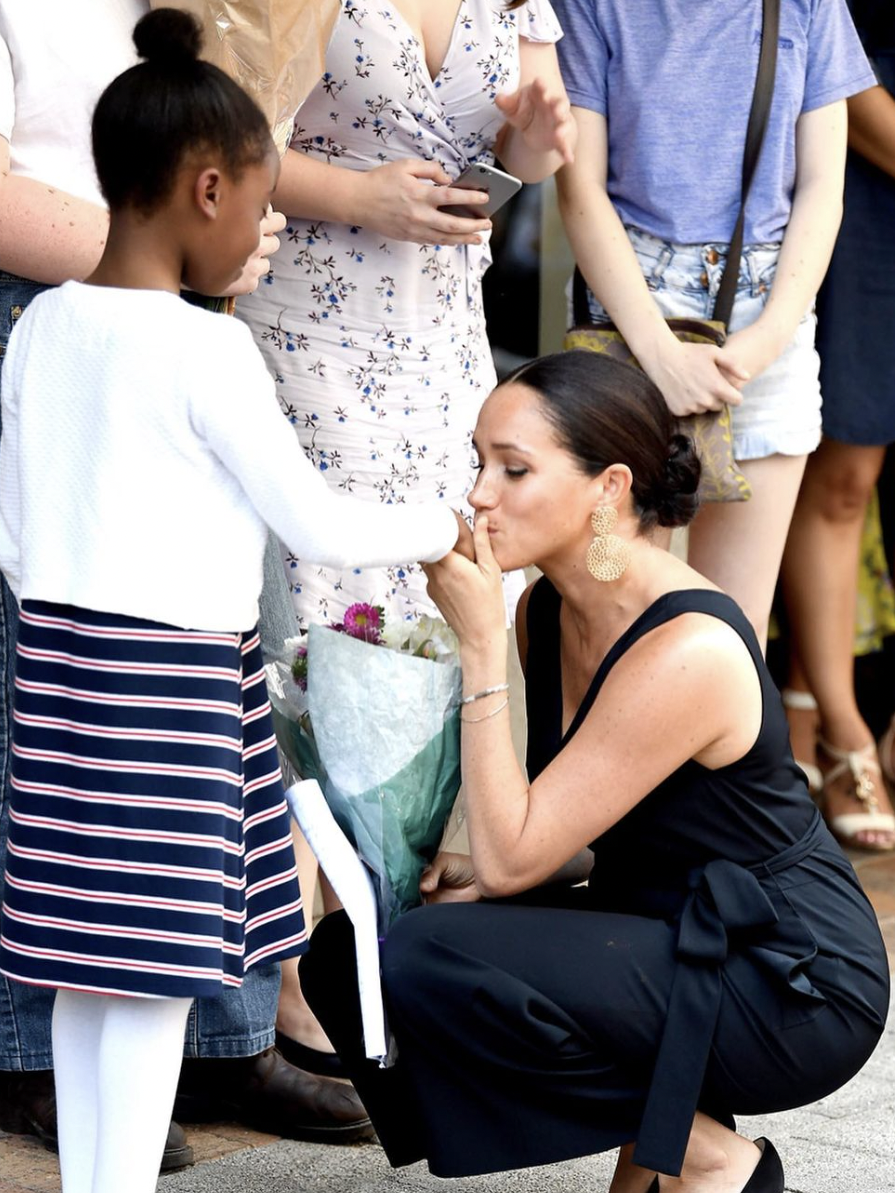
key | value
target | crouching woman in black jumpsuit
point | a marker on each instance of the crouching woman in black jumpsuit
(722, 958)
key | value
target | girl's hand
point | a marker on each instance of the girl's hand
(697, 377)
(464, 545)
(450, 879)
(544, 119)
(469, 594)
(399, 201)
(754, 348)
(259, 262)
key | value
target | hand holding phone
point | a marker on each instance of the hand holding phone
(499, 187)
(399, 200)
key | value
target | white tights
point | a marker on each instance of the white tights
(116, 1062)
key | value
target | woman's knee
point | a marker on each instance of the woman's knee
(839, 481)
(417, 951)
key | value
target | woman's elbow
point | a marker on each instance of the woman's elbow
(501, 882)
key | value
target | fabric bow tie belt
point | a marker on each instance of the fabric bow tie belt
(724, 899)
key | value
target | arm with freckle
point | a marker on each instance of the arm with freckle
(47, 235)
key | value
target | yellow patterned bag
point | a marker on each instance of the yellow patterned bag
(712, 434)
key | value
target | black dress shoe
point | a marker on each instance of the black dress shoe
(312, 1060)
(268, 1094)
(28, 1107)
(767, 1176)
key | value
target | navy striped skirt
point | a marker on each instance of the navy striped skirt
(149, 850)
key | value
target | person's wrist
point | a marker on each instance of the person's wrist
(772, 333)
(346, 195)
(654, 346)
(484, 662)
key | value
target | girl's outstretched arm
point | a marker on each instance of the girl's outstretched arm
(242, 423)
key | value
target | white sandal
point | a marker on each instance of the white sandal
(804, 702)
(862, 764)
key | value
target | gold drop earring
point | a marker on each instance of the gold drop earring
(608, 555)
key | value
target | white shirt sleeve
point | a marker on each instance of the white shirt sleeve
(7, 91)
(245, 428)
(10, 504)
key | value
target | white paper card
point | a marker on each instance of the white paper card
(353, 885)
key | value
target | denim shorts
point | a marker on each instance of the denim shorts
(780, 411)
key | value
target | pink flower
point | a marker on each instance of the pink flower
(365, 622)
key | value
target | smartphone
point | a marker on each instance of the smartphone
(499, 186)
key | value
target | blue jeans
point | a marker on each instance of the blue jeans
(239, 1022)
(780, 412)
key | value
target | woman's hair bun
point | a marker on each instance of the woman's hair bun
(677, 503)
(167, 35)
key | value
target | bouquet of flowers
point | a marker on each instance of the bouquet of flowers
(273, 48)
(372, 712)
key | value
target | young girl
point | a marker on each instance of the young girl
(143, 456)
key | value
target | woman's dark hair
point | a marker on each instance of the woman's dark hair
(149, 118)
(606, 412)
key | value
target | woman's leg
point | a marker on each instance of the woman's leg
(820, 571)
(295, 1018)
(717, 1161)
(117, 1063)
(739, 545)
(803, 718)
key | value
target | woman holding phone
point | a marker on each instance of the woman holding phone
(372, 319)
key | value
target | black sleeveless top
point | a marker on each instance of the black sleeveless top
(746, 811)
(737, 858)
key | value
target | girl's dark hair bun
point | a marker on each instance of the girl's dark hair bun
(168, 36)
(677, 500)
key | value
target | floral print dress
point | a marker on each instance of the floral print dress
(378, 346)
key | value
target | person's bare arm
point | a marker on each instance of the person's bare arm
(688, 375)
(807, 242)
(47, 235)
(871, 127)
(659, 706)
(399, 200)
(540, 133)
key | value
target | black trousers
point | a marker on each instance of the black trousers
(528, 1035)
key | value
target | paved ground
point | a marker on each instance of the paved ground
(844, 1144)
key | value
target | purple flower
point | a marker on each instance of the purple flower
(300, 667)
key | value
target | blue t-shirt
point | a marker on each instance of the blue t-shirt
(674, 79)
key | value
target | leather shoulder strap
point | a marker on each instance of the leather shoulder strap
(755, 131)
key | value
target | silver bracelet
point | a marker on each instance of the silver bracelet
(500, 687)
(487, 716)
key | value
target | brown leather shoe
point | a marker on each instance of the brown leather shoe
(267, 1093)
(28, 1107)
